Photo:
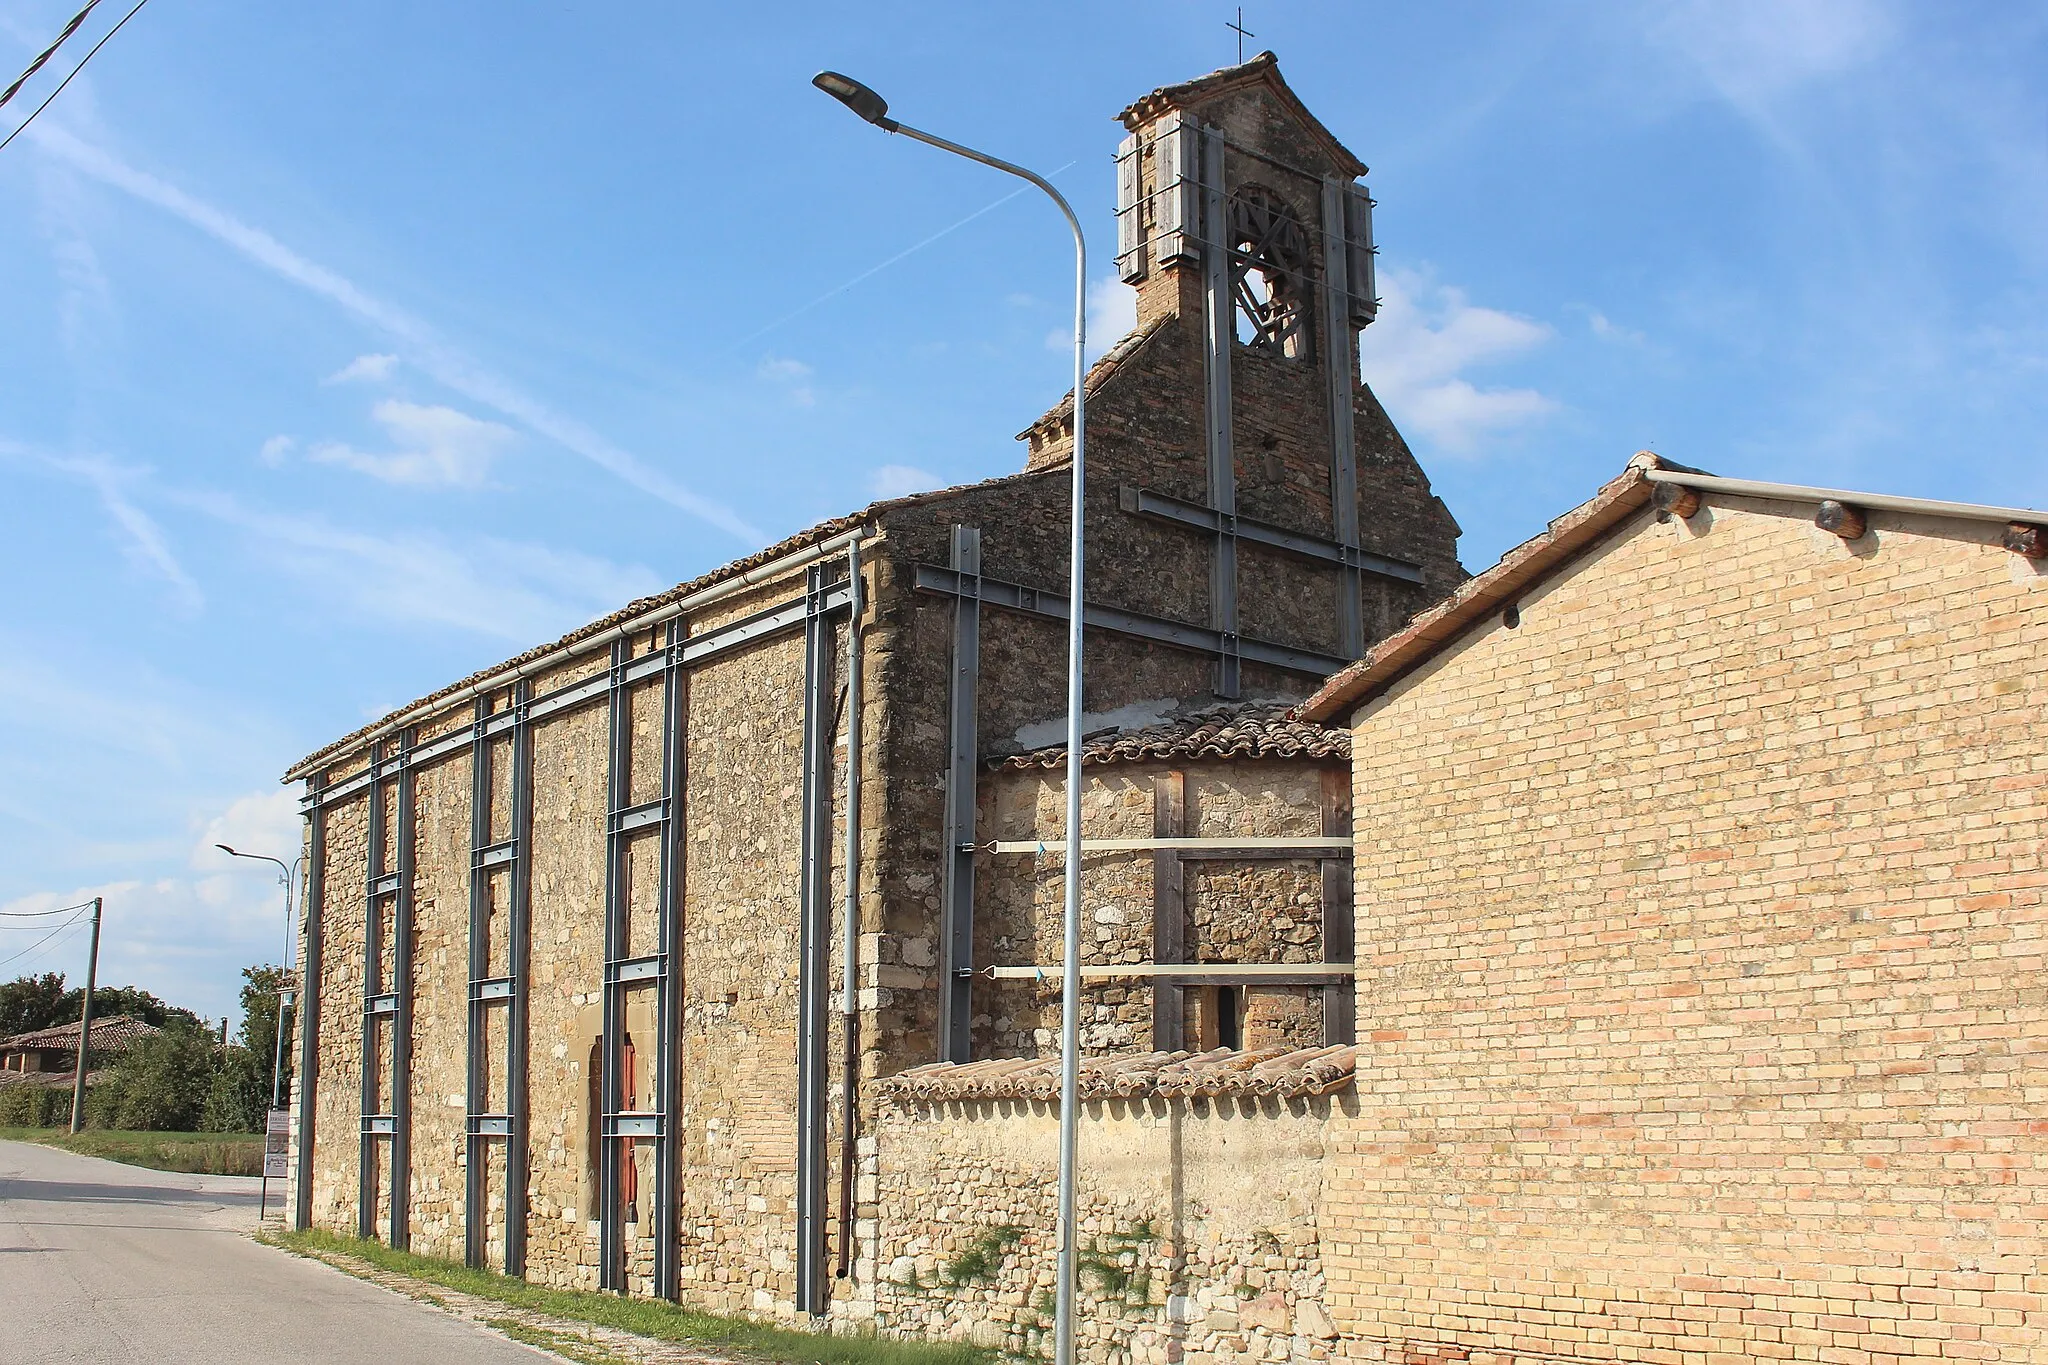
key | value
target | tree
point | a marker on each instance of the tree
(160, 1085)
(240, 1091)
(29, 1003)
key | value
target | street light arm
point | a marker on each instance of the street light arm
(1008, 167)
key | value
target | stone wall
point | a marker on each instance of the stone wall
(1705, 922)
(1267, 911)
(1201, 1231)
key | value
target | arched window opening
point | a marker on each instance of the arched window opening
(1269, 273)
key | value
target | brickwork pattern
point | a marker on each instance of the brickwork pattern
(1705, 921)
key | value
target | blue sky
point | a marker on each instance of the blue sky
(352, 348)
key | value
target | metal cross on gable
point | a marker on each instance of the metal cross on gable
(1242, 33)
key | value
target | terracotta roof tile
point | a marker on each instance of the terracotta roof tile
(1234, 730)
(1282, 1072)
(116, 1033)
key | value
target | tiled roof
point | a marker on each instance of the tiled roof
(49, 1080)
(1257, 730)
(1528, 563)
(116, 1033)
(1264, 1071)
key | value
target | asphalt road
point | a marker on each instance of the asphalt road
(105, 1262)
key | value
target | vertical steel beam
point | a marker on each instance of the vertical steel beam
(668, 1010)
(401, 1018)
(814, 949)
(956, 991)
(613, 1149)
(1219, 341)
(314, 938)
(518, 937)
(373, 990)
(1169, 821)
(476, 1159)
(1340, 998)
(1340, 365)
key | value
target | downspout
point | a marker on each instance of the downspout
(849, 1004)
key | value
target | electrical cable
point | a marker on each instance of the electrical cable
(68, 936)
(47, 53)
(36, 914)
(74, 71)
(68, 924)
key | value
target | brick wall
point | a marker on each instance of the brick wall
(1705, 923)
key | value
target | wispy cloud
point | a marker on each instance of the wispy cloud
(793, 377)
(897, 480)
(1415, 356)
(142, 540)
(1754, 52)
(513, 590)
(371, 369)
(1112, 316)
(436, 445)
(420, 345)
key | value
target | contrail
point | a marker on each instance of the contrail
(873, 271)
(433, 356)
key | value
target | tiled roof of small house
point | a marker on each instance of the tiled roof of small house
(1255, 730)
(1282, 1072)
(50, 1080)
(116, 1033)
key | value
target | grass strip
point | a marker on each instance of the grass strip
(656, 1318)
(580, 1349)
(191, 1153)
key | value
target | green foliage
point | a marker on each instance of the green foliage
(160, 1085)
(34, 1106)
(28, 1003)
(654, 1318)
(983, 1257)
(258, 1036)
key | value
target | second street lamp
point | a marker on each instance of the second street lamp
(288, 873)
(875, 110)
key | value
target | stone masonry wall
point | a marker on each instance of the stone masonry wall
(1252, 912)
(1706, 924)
(1201, 1238)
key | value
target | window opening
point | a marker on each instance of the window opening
(1269, 273)
(1229, 1018)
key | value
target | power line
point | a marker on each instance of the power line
(34, 914)
(68, 924)
(74, 71)
(47, 53)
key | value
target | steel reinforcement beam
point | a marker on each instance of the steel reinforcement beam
(314, 938)
(956, 971)
(1051, 605)
(814, 950)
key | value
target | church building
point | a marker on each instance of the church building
(695, 954)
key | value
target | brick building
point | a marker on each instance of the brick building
(612, 950)
(1701, 919)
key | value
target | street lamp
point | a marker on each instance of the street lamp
(288, 873)
(875, 110)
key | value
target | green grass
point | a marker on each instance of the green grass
(654, 1318)
(196, 1153)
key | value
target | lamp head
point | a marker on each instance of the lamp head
(225, 849)
(856, 97)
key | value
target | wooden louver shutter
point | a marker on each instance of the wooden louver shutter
(1130, 214)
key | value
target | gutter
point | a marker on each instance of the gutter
(1876, 502)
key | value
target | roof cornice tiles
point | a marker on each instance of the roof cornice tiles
(1258, 730)
(1287, 1073)
(116, 1030)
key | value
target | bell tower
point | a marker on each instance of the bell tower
(1235, 410)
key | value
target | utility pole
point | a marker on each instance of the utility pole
(92, 975)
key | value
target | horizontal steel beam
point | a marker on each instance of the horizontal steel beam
(628, 970)
(694, 650)
(1321, 845)
(497, 855)
(491, 989)
(1052, 606)
(1179, 511)
(491, 1125)
(380, 1125)
(1270, 973)
(632, 1124)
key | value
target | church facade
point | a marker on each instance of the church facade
(684, 955)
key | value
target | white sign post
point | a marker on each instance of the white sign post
(276, 1155)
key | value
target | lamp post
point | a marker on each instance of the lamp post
(288, 873)
(875, 110)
